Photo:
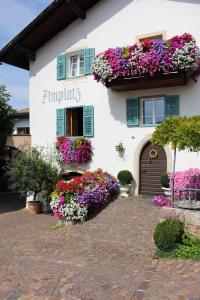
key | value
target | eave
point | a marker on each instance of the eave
(56, 17)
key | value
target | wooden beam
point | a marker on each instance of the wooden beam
(29, 54)
(75, 8)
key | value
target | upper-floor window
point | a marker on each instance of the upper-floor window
(76, 65)
(159, 35)
(152, 110)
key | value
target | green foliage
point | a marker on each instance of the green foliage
(124, 177)
(168, 234)
(164, 180)
(189, 249)
(180, 132)
(32, 171)
(7, 113)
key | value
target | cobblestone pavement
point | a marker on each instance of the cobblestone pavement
(107, 258)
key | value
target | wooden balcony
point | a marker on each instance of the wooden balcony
(19, 141)
(148, 82)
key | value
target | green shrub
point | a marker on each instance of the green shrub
(124, 177)
(164, 180)
(168, 234)
(32, 171)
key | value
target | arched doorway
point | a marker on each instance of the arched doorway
(153, 163)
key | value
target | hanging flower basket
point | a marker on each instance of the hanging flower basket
(141, 65)
(74, 150)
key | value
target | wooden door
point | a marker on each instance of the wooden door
(153, 163)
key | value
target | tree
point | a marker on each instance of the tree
(7, 113)
(180, 133)
(32, 171)
(7, 121)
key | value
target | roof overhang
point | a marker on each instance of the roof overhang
(57, 16)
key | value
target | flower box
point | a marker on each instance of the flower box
(149, 64)
(74, 150)
(148, 82)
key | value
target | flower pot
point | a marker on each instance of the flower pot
(166, 191)
(124, 190)
(34, 207)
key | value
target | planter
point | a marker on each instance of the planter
(166, 191)
(148, 82)
(34, 207)
(124, 190)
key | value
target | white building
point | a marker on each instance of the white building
(71, 31)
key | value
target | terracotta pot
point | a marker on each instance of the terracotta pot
(35, 207)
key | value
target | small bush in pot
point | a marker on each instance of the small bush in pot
(168, 234)
(32, 171)
(164, 180)
(124, 177)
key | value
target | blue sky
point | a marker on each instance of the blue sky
(14, 16)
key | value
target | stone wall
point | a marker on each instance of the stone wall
(190, 217)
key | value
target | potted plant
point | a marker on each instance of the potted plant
(125, 177)
(33, 173)
(164, 180)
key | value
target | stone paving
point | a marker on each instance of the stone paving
(108, 257)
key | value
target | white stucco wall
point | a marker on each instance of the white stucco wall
(109, 24)
(22, 122)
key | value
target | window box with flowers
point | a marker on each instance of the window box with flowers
(74, 150)
(149, 64)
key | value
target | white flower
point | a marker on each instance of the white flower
(73, 212)
(102, 69)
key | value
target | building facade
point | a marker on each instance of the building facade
(69, 101)
(20, 138)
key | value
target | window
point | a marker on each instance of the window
(74, 121)
(76, 65)
(23, 130)
(159, 35)
(152, 110)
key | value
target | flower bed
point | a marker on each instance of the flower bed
(73, 200)
(161, 200)
(148, 58)
(74, 150)
(189, 179)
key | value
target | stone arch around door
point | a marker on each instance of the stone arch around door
(152, 164)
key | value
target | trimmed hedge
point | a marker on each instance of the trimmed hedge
(168, 234)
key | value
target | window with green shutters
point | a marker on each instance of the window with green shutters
(75, 121)
(75, 64)
(150, 111)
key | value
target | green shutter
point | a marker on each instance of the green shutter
(61, 67)
(60, 121)
(67, 57)
(88, 121)
(132, 112)
(172, 105)
(88, 57)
